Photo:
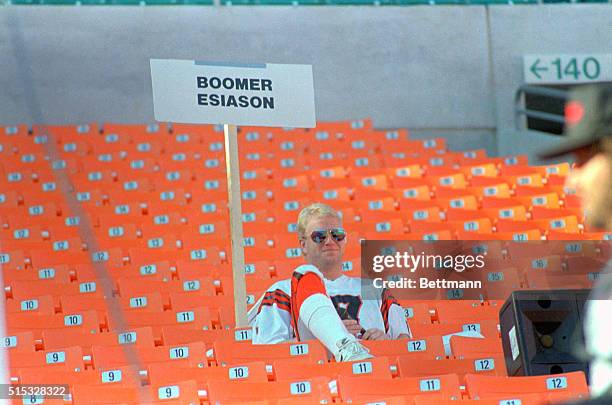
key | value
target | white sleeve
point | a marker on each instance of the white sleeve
(272, 325)
(397, 322)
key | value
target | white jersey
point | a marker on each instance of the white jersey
(271, 315)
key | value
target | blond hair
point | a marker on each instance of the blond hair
(311, 211)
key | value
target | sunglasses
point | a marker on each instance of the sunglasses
(320, 235)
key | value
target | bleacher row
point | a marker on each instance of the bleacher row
(291, 2)
(153, 203)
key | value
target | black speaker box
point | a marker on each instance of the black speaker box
(541, 330)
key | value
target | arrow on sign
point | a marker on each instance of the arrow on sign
(534, 68)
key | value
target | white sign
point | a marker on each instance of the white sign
(272, 95)
(557, 69)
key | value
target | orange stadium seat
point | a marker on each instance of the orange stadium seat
(86, 321)
(100, 394)
(59, 339)
(105, 357)
(407, 367)
(19, 342)
(43, 305)
(193, 318)
(427, 347)
(227, 352)
(166, 373)
(469, 348)
(70, 358)
(238, 391)
(287, 370)
(357, 389)
(480, 386)
(174, 335)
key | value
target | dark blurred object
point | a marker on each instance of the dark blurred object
(588, 118)
(540, 330)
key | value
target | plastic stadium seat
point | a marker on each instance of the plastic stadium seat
(431, 230)
(497, 204)
(193, 270)
(403, 172)
(438, 234)
(238, 391)
(58, 339)
(546, 199)
(287, 370)
(487, 328)
(136, 131)
(560, 169)
(414, 192)
(356, 389)
(13, 131)
(119, 376)
(12, 260)
(205, 132)
(18, 342)
(464, 201)
(423, 212)
(552, 251)
(380, 204)
(523, 399)
(540, 280)
(407, 367)
(568, 223)
(466, 347)
(529, 234)
(383, 229)
(86, 321)
(101, 394)
(63, 132)
(480, 170)
(473, 221)
(174, 335)
(479, 386)
(287, 184)
(165, 373)
(451, 179)
(282, 161)
(45, 258)
(364, 163)
(474, 156)
(192, 318)
(429, 347)
(57, 274)
(229, 352)
(70, 358)
(376, 182)
(42, 305)
(515, 212)
(9, 199)
(416, 311)
(518, 170)
(506, 225)
(468, 311)
(144, 302)
(105, 357)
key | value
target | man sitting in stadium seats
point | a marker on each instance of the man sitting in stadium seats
(320, 302)
(588, 116)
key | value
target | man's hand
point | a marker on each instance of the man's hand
(374, 334)
(352, 326)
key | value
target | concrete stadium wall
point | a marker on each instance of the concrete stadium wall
(449, 71)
